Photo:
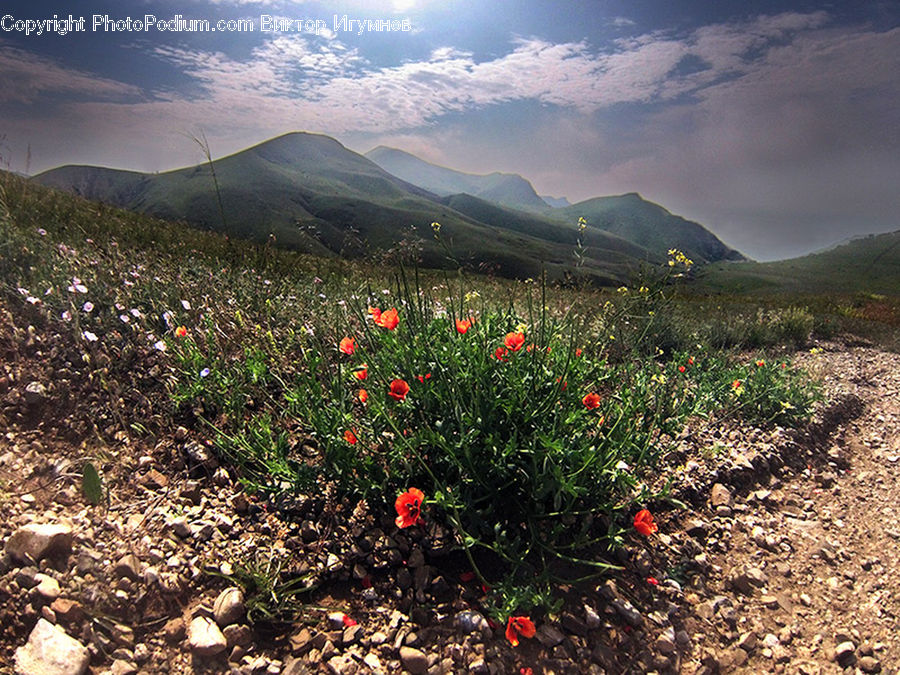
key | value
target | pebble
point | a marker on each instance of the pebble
(205, 638)
(31, 543)
(229, 606)
(47, 587)
(414, 660)
(869, 664)
(719, 495)
(50, 651)
(469, 621)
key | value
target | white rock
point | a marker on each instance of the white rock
(33, 542)
(50, 651)
(229, 606)
(205, 638)
(47, 587)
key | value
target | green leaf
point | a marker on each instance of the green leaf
(91, 484)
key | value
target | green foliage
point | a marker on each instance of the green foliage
(91, 484)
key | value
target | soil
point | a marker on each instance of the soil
(784, 559)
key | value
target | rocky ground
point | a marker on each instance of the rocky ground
(783, 562)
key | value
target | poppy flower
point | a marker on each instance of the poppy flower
(591, 401)
(653, 581)
(350, 437)
(462, 325)
(681, 369)
(375, 313)
(690, 360)
(519, 625)
(409, 507)
(399, 390)
(181, 331)
(347, 621)
(760, 363)
(363, 396)
(514, 341)
(347, 346)
(643, 523)
(578, 351)
(500, 353)
(422, 378)
(362, 372)
(388, 319)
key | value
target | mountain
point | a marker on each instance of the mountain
(869, 264)
(649, 225)
(508, 189)
(313, 194)
(556, 202)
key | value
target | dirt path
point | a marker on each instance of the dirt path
(788, 565)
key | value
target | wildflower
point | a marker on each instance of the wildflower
(361, 373)
(363, 396)
(643, 523)
(399, 390)
(350, 437)
(653, 581)
(89, 336)
(622, 290)
(472, 295)
(409, 507)
(41, 231)
(181, 332)
(760, 363)
(462, 325)
(582, 224)
(347, 346)
(66, 315)
(186, 305)
(514, 341)
(436, 227)
(738, 387)
(690, 360)
(317, 280)
(681, 369)
(578, 352)
(591, 401)
(136, 313)
(347, 621)
(388, 319)
(501, 353)
(519, 625)
(375, 313)
(205, 372)
(422, 378)
(160, 346)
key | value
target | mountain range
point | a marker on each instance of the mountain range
(311, 193)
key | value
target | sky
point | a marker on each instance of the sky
(774, 124)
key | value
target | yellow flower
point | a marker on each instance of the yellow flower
(436, 227)
(521, 328)
(622, 289)
(472, 295)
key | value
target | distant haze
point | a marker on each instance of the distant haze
(774, 124)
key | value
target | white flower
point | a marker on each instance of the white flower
(32, 300)
(186, 305)
(89, 336)
(160, 345)
(204, 372)
(66, 316)
(124, 318)
(23, 291)
(136, 313)
(88, 307)
(41, 231)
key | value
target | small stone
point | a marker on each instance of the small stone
(844, 653)
(174, 630)
(35, 393)
(129, 567)
(67, 611)
(549, 636)
(154, 480)
(122, 667)
(416, 559)
(47, 587)
(748, 641)
(414, 660)
(869, 664)
(237, 635)
(469, 621)
(719, 495)
(627, 611)
(181, 528)
(31, 543)
(229, 606)
(50, 651)
(308, 531)
(351, 635)
(205, 638)
(697, 528)
(591, 618)
(301, 642)
(573, 624)
(665, 643)
(769, 601)
(805, 600)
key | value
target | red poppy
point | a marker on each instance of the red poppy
(736, 384)
(760, 363)
(519, 625)
(784, 365)
(350, 437)
(462, 325)
(399, 390)
(690, 360)
(564, 384)
(388, 319)
(362, 372)
(525, 670)
(681, 369)
(375, 313)
(363, 395)
(181, 331)
(652, 581)
(501, 353)
(409, 507)
(530, 348)
(643, 523)
(578, 351)
(347, 346)
(591, 401)
(422, 378)
(347, 621)
(514, 341)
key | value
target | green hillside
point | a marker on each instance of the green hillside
(868, 264)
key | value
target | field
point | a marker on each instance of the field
(489, 449)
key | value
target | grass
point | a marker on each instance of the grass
(533, 432)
